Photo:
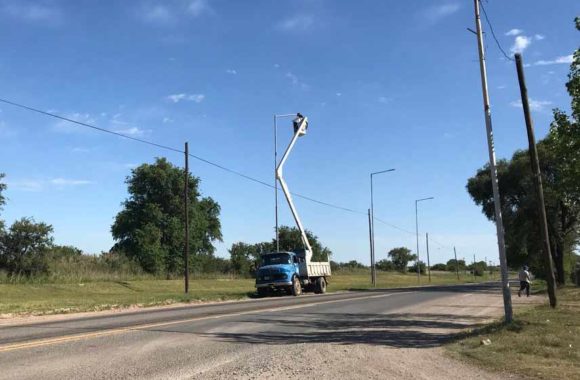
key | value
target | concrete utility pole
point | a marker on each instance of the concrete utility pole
(538, 183)
(507, 300)
(417, 235)
(456, 263)
(186, 212)
(428, 261)
(371, 246)
(373, 268)
(474, 267)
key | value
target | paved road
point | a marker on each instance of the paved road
(186, 342)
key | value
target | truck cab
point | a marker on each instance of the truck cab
(288, 272)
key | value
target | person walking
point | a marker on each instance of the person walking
(525, 281)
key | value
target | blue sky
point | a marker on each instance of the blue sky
(385, 84)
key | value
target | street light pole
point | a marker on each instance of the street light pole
(275, 166)
(417, 235)
(373, 269)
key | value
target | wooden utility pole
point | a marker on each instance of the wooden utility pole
(428, 261)
(186, 213)
(507, 297)
(474, 268)
(537, 182)
(456, 263)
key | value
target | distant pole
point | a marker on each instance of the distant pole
(456, 263)
(186, 212)
(474, 268)
(373, 255)
(371, 245)
(538, 182)
(428, 261)
(507, 300)
(276, 179)
(417, 235)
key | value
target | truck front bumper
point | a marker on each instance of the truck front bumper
(273, 284)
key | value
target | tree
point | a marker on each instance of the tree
(2, 189)
(24, 247)
(290, 239)
(478, 268)
(439, 267)
(422, 267)
(150, 228)
(401, 257)
(385, 265)
(453, 265)
(244, 257)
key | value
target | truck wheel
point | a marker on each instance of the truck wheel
(263, 292)
(320, 286)
(296, 287)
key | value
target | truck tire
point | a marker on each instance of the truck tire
(263, 292)
(296, 286)
(320, 285)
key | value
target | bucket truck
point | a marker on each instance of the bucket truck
(292, 271)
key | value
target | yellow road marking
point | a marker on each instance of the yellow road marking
(50, 341)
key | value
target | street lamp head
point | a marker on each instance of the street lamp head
(424, 199)
(382, 171)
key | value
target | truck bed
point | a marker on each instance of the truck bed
(315, 269)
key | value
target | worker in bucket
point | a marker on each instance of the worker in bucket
(525, 280)
(297, 122)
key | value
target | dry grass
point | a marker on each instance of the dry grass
(541, 343)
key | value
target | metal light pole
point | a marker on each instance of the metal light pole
(507, 297)
(275, 166)
(417, 234)
(373, 269)
(428, 260)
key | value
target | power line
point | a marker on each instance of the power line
(394, 226)
(242, 175)
(88, 125)
(493, 34)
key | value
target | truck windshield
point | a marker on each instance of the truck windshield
(276, 258)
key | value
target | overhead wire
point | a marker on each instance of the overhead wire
(493, 33)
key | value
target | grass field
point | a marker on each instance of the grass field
(540, 343)
(53, 298)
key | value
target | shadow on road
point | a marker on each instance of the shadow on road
(394, 330)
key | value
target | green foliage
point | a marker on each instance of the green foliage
(57, 252)
(385, 265)
(290, 240)
(453, 265)
(559, 156)
(401, 257)
(24, 248)
(479, 267)
(350, 266)
(422, 267)
(2, 189)
(150, 228)
(244, 257)
(440, 266)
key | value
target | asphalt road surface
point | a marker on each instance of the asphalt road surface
(280, 337)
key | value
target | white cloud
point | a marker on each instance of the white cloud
(231, 71)
(277, 66)
(539, 37)
(79, 149)
(501, 87)
(339, 94)
(436, 13)
(298, 23)
(514, 32)
(167, 120)
(133, 131)
(535, 105)
(197, 7)
(384, 100)
(69, 182)
(296, 81)
(520, 44)
(25, 185)
(31, 12)
(176, 98)
(156, 14)
(565, 59)
(68, 127)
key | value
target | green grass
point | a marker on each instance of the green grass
(541, 342)
(50, 298)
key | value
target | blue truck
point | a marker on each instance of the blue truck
(292, 272)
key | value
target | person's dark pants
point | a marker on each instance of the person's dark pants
(524, 285)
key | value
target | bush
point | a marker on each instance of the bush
(422, 268)
(441, 267)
